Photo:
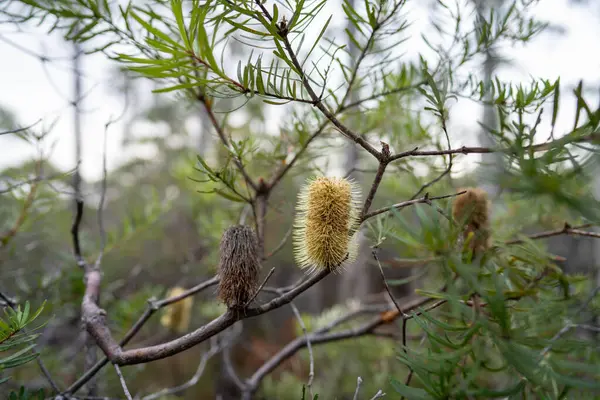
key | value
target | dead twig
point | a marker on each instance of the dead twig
(123, 383)
(570, 324)
(17, 130)
(311, 373)
(260, 287)
(280, 245)
(358, 383)
(387, 288)
(565, 230)
(425, 199)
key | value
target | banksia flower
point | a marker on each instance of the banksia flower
(328, 216)
(177, 315)
(473, 209)
(238, 266)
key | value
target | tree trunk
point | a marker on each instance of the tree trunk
(357, 280)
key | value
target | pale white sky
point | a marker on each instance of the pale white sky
(35, 91)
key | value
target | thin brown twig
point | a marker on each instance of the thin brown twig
(75, 231)
(569, 325)
(566, 229)
(383, 94)
(567, 139)
(10, 188)
(358, 383)
(578, 232)
(123, 383)
(281, 171)
(355, 169)
(260, 287)
(447, 170)
(408, 379)
(387, 288)
(311, 373)
(373, 190)
(223, 137)
(226, 353)
(17, 130)
(380, 394)
(281, 244)
(425, 199)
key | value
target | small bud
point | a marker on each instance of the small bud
(327, 219)
(238, 266)
(176, 316)
(473, 209)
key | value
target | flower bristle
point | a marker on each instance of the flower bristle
(239, 266)
(327, 218)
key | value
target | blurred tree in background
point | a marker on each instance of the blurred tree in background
(417, 315)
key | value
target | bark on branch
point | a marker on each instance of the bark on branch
(94, 319)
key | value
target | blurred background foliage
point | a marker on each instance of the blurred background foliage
(163, 223)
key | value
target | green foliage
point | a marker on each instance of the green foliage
(497, 317)
(316, 396)
(14, 338)
(24, 394)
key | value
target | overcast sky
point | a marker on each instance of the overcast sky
(33, 90)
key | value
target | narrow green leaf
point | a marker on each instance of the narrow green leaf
(410, 392)
(276, 103)
(25, 315)
(319, 37)
(229, 196)
(178, 13)
(294, 19)
(176, 87)
(259, 80)
(205, 49)
(275, 16)
(246, 28)
(156, 32)
(16, 355)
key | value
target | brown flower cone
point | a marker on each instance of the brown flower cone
(473, 208)
(239, 266)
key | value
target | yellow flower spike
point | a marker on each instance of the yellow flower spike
(327, 220)
(176, 316)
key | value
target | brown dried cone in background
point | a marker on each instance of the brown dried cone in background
(239, 266)
(473, 209)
